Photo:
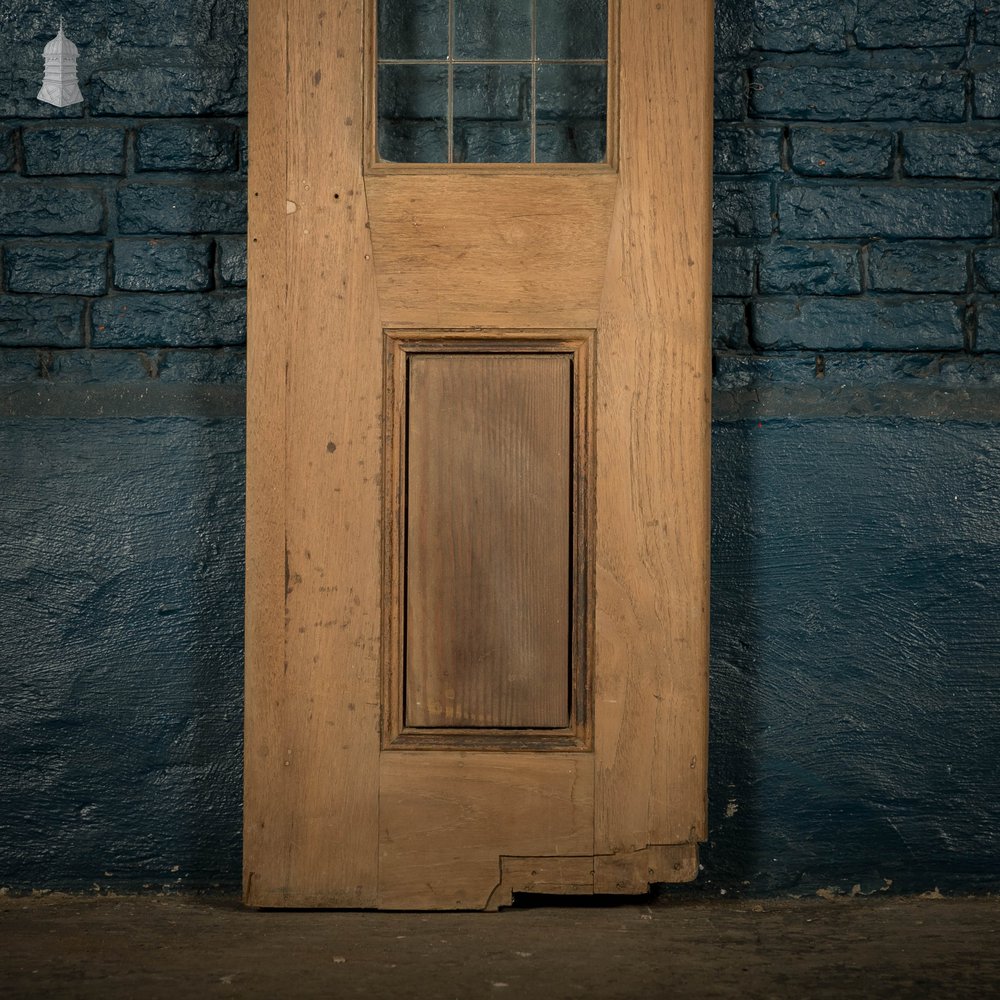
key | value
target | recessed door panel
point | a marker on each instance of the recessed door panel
(488, 548)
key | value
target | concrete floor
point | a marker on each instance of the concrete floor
(152, 947)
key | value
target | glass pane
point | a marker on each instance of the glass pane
(413, 114)
(492, 107)
(571, 111)
(572, 29)
(492, 81)
(413, 29)
(492, 29)
(567, 91)
(581, 142)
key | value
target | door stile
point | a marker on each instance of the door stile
(267, 248)
(653, 431)
(320, 776)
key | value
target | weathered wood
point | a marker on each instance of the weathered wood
(330, 820)
(319, 794)
(551, 876)
(488, 540)
(265, 792)
(652, 425)
(469, 249)
(447, 817)
(634, 872)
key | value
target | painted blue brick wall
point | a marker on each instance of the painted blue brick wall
(856, 511)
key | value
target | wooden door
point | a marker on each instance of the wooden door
(478, 467)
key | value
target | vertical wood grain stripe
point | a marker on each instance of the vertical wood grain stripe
(264, 792)
(652, 425)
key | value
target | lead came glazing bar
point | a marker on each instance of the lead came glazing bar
(492, 81)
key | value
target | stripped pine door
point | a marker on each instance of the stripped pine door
(477, 458)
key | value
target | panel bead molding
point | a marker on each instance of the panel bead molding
(513, 451)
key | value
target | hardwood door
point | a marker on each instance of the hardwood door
(477, 460)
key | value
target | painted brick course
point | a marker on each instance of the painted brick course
(179, 320)
(858, 175)
(56, 269)
(832, 94)
(187, 146)
(810, 270)
(163, 265)
(844, 151)
(858, 324)
(72, 149)
(953, 152)
(110, 210)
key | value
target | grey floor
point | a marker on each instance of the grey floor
(154, 946)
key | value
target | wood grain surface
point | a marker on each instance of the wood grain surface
(446, 818)
(490, 249)
(652, 424)
(332, 818)
(315, 795)
(488, 598)
(265, 793)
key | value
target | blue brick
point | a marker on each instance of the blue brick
(222, 366)
(8, 152)
(162, 25)
(56, 269)
(165, 320)
(733, 31)
(840, 152)
(40, 321)
(180, 22)
(732, 269)
(19, 86)
(987, 266)
(73, 149)
(186, 146)
(20, 364)
(873, 209)
(89, 367)
(232, 254)
(917, 267)
(229, 20)
(729, 324)
(207, 88)
(808, 24)
(730, 95)
(736, 372)
(742, 208)
(988, 23)
(196, 207)
(952, 152)
(35, 209)
(810, 270)
(827, 93)
(157, 265)
(888, 24)
(744, 149)
(988, 326)
(832, 324)
(987, 94)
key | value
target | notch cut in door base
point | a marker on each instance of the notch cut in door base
(612, 874)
